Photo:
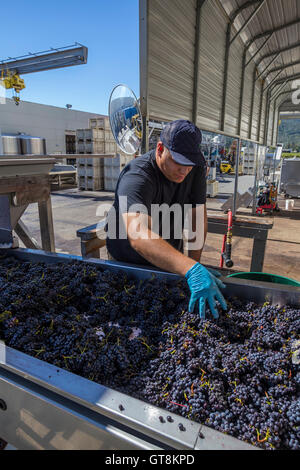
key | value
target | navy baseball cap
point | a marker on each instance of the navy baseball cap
(183, 139)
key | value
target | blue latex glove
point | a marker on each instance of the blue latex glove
(204, 286)
(214, 272)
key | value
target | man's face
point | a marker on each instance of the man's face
(172, 170)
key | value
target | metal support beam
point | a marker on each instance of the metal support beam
(272, 31)
(283, 49)
(144, 47)
(266, 68)
(273, 125)
(252, 103)
(260, 110)
(288, 79)
(267, 116)
(268, 34)
(253, 14)
(272, 81)
(277, 93)
(271, 87)
(242, 92)
(228, 44)
(226, 61)
(200, 4)
(52, 60)
(236, 180)
(258, 50)
(283, 67)
(244, 65)
(284, 93)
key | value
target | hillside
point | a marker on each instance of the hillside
(289, 133)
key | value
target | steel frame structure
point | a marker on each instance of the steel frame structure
(269, 77)
(46, 60)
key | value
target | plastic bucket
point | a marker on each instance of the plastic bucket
(289, 204)
(265, 277)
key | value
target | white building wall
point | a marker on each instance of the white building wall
(49, 122)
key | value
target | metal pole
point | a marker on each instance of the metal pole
(252, 104)
(144, 45)
(237, 162)
(255, 183)
(258, 50)
(224, 96)
(242, 91)
(260, 110)
(248, 20)
(267, 116)
(200, 3)
(266, 68)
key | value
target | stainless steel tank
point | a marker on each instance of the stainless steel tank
(11, 144)
(31, 145)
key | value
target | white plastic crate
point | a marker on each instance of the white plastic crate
(119, 160)
(112, 172)
(82, 181)
(80, 147)
(91, 183)
(81, 171)
(95, 184)
(100, 122)
(79, 134)
(95, 171)
(110, 184)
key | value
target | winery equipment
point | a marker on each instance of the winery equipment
(25, 180)
(23, 144)
(46, 407)
(31, 145)
(11, 144)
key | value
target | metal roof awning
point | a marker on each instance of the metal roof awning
(221, 64)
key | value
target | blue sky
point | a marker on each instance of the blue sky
(108, 28)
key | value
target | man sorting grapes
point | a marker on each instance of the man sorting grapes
(174, 176)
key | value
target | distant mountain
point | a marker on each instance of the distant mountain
(289, 133)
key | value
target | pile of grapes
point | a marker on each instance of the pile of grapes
(238, 374)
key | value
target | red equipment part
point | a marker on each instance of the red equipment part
(226, 246)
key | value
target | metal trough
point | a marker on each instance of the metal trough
(45, 407)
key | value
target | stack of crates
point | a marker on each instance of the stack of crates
(97, 139)
(249, 162)
(113, 168)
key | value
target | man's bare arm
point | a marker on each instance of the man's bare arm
(152, 247)
(196, 254)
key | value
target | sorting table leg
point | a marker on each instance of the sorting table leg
(46, 225)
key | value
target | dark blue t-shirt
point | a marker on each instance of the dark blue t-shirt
(143, 183)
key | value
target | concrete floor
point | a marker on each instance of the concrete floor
(74, 209)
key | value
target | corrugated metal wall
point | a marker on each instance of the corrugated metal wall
(234, 87)
(246, 110)
(256, 108)
(171, 35)
(211, 65)
(270, 123)
(263, 113)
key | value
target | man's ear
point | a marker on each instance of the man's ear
(160, 148)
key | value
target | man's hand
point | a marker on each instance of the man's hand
(204, 286)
